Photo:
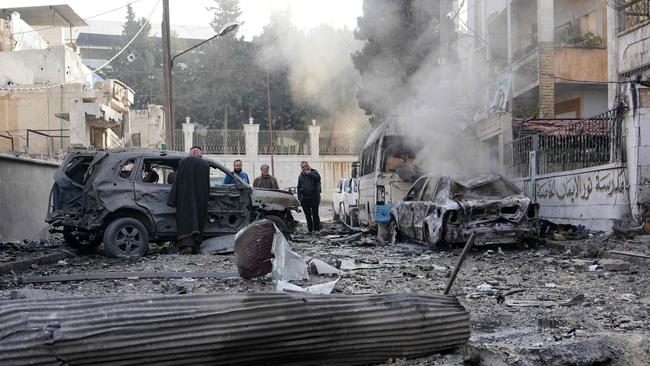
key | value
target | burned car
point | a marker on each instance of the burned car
(119, 197)
(445, 209)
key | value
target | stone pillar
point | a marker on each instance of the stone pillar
(612, 53)
(188, 135)
(546, 61)
(251, 132)
(314, 140)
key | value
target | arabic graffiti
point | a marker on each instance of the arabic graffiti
(582, 186)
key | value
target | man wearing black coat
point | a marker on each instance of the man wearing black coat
(309, 189)
(189, 194)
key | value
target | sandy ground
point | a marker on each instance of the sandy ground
(538, 306)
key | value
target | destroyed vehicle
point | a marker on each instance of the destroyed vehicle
(344, 201)
(444, 209)
(119, 197)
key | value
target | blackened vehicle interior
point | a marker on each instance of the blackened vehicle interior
(120, 198)
(438, 209)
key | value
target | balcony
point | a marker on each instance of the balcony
(633, 15)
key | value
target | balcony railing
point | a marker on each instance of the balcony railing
(335, 143)
(577, 144)
(231, 142)
(633, 14)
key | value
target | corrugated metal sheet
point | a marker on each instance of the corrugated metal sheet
(229, 329)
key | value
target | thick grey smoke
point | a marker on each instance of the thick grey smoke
(320, 71)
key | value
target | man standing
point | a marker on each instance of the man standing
(265, 180)
(189, 194)
(309, 190)
(237, 170)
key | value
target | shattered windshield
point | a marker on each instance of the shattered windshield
(495, 188)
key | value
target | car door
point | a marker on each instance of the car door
(229, 205)
(405, 208)
(422, 206)
(153, 194)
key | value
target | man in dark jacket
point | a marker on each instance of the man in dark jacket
(309, 190)
(189, 194)
(265, 180)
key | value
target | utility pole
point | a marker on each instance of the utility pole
(167, 76)
(268, 102)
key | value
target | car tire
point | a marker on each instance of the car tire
(82, 245)
(335, 213)
(126, 237)
(341, 214)
(280, 224)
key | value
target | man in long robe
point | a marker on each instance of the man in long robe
(189, 194)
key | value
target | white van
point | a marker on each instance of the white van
(386, 172)
(344, 201)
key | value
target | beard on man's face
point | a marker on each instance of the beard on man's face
(238, 170)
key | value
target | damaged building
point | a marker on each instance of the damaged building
(49, 100)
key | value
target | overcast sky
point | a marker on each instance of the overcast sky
(306, 13)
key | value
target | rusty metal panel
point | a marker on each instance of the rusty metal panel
(253, 249)
(229, 329)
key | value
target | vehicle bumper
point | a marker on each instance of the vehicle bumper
(494, 233)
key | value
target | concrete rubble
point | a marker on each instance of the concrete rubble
(565, 300)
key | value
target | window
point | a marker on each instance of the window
(77, 167)
(414, 192)
(369, 159)
(442, 193)
(126, 168)
(430, 189)
(159, 171)
(217, 176)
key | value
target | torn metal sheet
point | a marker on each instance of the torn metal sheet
(534, 303)
(229, 329)
(261, 248)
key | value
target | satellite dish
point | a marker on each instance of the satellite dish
(130, 57)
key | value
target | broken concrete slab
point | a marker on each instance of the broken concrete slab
(547, 304)
(229, 329)
(218, 245)
(614, 265)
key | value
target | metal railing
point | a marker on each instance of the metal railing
(581, 144)
(231, 142)
(179, 140)
(13, 147)
(334, 143)
(284, 143)
(633, 14)
(54, 142)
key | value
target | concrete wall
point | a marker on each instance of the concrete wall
(149, 123)
(24, 192)
(57, 64)
(287, 168)
(593, 197)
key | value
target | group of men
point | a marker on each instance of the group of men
(191, 189)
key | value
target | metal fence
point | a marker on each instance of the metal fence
(284, 143)
(232, 142)
(179, 140)
(585, 143)
(335, 143)
(47, 142)
(632, 14)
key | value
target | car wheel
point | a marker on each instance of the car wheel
(341, 214)
(354, 218)
(280, 224)
(126, 237)
(85, 246)
(392, 232)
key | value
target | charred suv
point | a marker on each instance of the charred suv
(119, 197)
(445, 209)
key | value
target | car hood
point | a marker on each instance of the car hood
(274, 199)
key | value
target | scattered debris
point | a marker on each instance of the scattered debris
(218, 245)
(547, 304)
(614, 265)
(317, 266)
(319, 289)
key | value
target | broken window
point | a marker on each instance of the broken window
(159, 171)
(414, 192)
(369, 158)
(76, 168)
(430, 189)
(442, 192)
(396, 154)
(126, 168)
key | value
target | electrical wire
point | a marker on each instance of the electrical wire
(126, 46)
